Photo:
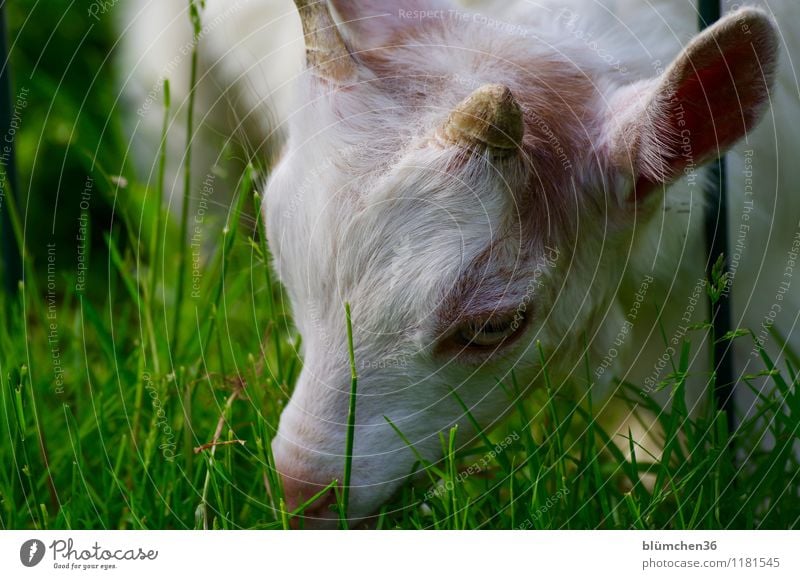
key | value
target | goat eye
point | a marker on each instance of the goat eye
(489, 333)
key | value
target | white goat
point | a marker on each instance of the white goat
(473, 183)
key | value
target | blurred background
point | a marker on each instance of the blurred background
(62, 61)
(104, 380)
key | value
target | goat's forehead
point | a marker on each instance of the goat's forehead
(392, 243)
(345, 192)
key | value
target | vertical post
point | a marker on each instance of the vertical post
(716, 234)
(12, 261)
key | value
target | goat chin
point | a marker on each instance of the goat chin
(250, 52)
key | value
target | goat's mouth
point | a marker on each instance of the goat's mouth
(324, 514)
(322, 520)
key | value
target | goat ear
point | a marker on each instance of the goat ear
(375, 24)
(706, 100)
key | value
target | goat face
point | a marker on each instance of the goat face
(457, 186)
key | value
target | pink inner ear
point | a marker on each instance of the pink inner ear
(708, 113)
(719, 105)
(711, 96)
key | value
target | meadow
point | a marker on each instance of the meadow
(141, 381)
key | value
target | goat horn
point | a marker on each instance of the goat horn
(326, 51)
(489, 117)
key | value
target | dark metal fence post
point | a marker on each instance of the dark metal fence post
(716, 233)
(12, 261)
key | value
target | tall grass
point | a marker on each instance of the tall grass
(129, 446)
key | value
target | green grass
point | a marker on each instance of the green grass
(170, 401)
(143, 438)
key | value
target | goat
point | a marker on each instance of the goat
(477, 183)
